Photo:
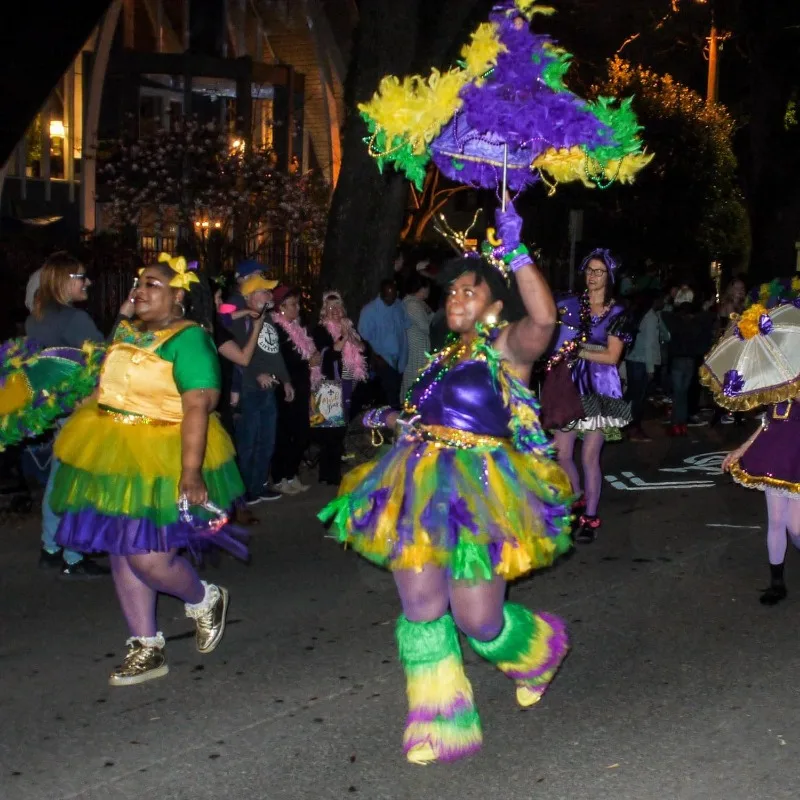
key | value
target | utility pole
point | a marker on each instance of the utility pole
(713, 64)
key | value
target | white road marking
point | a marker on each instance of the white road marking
(735, 527)
(638, 485)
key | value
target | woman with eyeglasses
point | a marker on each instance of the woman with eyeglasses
(592, 335)
(55, 322)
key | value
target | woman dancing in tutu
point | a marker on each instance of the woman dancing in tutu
(468, 499)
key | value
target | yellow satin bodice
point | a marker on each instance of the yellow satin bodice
(135, 380)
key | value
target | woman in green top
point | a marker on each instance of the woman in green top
(127, 457)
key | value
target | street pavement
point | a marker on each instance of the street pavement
(679, 685)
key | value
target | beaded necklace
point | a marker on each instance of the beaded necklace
(128, 333)
(569, 347)
(446, 358)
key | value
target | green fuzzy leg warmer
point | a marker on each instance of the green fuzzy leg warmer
(423, 644)
(513, 642)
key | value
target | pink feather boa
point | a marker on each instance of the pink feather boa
(352, 358)
(302, 342)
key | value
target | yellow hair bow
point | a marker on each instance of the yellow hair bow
(184, 277)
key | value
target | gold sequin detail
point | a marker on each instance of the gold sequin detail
(444, 436)
(133, 419)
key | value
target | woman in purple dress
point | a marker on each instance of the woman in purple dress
(770, 461)
(592, 335)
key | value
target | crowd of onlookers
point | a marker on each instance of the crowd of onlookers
(289, 382)
(674, 330)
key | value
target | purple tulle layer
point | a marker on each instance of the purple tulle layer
(89, 532)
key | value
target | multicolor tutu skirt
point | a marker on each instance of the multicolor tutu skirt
(477, 510)
(116, 488)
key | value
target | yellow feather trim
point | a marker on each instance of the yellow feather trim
(416, 108)
(529, 8)
(482, 52)
(567, 165)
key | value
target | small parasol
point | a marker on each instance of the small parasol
(758, 360)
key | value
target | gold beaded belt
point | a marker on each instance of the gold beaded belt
(133, 419)
(443, 436)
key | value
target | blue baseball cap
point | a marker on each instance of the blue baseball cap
(249, 267)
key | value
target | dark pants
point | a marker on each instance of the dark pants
(638, 380)
(683, 368)
(390, 380)
(695, 389)
(331, 442)
(255, 437)
(293, 434)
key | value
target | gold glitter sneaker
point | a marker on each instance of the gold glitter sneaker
(145, 661)
(209, 616)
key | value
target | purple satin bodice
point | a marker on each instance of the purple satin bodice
(588, 376)
(465, 398)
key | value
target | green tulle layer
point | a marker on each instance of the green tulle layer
(136, 497)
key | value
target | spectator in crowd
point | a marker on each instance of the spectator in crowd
(303, 363)
(233, 355)
(55, 322)
(383, 325)
(690, 338)
(343, 357)
(31, 288)
(258, 406)
(418, 289)
(642, 359)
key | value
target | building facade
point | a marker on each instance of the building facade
(269, 71)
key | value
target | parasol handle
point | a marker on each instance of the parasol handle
(505, 176)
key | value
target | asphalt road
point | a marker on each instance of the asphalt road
(680, 685)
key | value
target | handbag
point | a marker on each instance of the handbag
(326, 406)
(560, 401)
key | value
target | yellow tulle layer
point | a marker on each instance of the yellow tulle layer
(96, 443)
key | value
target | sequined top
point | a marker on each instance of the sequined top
(465, 398)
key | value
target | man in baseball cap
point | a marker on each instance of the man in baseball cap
(256, 428)
(248, 267)
(256, 283)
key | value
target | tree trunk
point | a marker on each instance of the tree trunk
(366, 214)
(772, 188)
(367, 208)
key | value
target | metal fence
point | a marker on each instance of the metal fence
(286, 258)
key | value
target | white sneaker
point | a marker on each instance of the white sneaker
(298, 485)
(285, 487)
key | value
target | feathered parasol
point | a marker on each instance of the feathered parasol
(38, 386)
(504, 115)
